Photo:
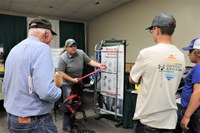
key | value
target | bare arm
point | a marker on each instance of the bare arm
(67, 77)
(193, 105)
(96, 64)
(133, 82)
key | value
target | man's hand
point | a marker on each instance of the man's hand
(102, 66)
(184, 122)
(75, 80)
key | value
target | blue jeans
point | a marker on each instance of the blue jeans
(66, 115)
(43, 124)
(138, 127)
(194, 124)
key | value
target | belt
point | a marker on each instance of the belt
(39, 116)
(28, 119)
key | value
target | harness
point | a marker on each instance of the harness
(73, 101)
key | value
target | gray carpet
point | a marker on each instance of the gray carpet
(103, 125)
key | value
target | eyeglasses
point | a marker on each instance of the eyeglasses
(153, 28)
(190, 51)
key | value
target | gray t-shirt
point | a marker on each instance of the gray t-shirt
(72, 65)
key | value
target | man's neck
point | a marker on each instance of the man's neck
(165, 39)
(198, 61)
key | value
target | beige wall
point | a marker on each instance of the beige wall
(129, 21)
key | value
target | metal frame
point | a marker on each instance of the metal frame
(97, 92)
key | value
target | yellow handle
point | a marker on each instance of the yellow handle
(137, 86)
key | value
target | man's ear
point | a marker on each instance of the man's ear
(197, 53)
(46, 35)
(158, 32)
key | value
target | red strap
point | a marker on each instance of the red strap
(71, 97)
(70, 108)
(79, 79)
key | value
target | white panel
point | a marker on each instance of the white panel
(55, 43)
(55, 56)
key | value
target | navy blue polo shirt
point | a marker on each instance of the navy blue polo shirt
(193, 77)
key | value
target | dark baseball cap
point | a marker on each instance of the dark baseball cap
(163, 20)
(41, 22)
(195, 44)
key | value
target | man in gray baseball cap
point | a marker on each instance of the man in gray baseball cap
(158, 69)
(163, 20)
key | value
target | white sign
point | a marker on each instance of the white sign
(55, 56)
(112, 78)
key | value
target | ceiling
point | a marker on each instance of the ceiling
(78, 10)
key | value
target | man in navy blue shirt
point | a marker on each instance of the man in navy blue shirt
(28, 87)
(190, 96)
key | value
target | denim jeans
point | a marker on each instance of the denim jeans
(42, 124)
(138, 127)
(66, 115)
(180, 116)
(194, 124)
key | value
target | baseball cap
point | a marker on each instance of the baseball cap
(163, 20)
(41, 22)
(69, 42)
(195, 44)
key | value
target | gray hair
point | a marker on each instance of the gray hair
(37, 31)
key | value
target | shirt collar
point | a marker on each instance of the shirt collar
(33, 37)
(72, 56)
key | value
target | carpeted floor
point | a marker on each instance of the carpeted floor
(102, 125)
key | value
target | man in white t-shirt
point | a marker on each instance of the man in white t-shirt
(158, 70)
